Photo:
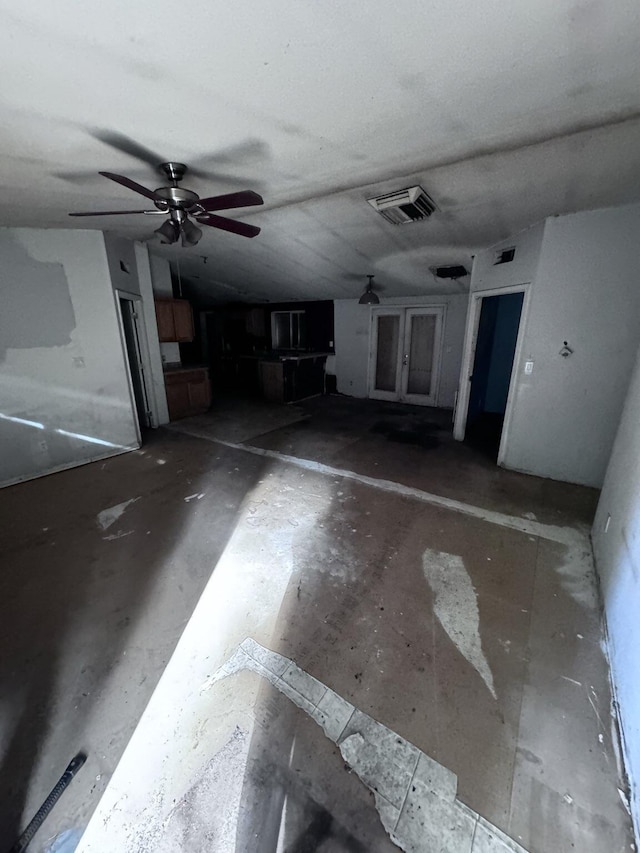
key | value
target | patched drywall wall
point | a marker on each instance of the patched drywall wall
(352, 328)
(42, 283)
(616, 545)
(64, 392)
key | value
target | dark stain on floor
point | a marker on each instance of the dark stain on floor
(420, 434)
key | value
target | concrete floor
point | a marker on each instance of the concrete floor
(449, 600)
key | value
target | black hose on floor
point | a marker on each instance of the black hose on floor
(38, 819)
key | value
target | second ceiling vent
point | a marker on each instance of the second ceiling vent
(408, 205)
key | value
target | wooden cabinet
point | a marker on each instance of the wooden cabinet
(164, 319)
(182, 320)
(272, 381)
(175, 320)
(292, 378)
(188, 392)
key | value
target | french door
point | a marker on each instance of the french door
(405, 354)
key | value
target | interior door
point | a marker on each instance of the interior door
(405, 362)
(387, 332)
(421, 355)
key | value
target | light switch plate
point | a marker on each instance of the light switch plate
(528, 367)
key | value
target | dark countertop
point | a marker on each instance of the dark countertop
(286, 356)
(174, 367)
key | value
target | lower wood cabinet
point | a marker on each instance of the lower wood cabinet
(293, 378)
(188, 392)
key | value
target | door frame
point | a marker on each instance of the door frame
(469, 354)
(440, 309)
(145, 360)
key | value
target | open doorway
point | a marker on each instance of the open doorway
(495, 349)
(132, 334)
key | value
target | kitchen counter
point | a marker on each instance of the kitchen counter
(285, 355)
(286, 377)
(176, 367)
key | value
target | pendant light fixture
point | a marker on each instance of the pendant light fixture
(369, 297)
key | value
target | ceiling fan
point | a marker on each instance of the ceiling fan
(181, 203)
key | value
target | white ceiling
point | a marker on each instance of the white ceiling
(504, 112)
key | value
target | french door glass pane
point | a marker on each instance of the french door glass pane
(423, 328)
(387, 354)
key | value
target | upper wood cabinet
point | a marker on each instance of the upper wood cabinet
(164, 318)
(175, 320)
(183, 320)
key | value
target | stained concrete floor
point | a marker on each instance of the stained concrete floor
(447, 599)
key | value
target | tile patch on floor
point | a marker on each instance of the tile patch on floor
(415, 796)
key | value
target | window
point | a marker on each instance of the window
(289, 330)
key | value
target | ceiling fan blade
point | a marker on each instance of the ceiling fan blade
(244, 198)
(209, 166)
(223, 178)
(114, 212)
(128, 146)
(251, 150)
(242, 228)
(131, 185)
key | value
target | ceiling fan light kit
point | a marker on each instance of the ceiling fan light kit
(181, 203)
(169, 231)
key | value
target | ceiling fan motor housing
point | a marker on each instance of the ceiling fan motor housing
(174, 171)
(175, 197)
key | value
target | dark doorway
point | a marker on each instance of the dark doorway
(492, 366)
(134, 356)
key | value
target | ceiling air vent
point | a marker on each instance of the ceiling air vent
(410, 205)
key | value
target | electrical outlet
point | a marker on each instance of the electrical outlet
(42, 445)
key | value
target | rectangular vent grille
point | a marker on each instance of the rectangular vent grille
(504, 256)
(404, 206)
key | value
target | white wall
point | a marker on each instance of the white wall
(584, 271)
(161, 282)
(64, 391)
(587, 292)
(156, 387)
(485, 275)
(121, 253)
(352, 324)
(617, 554)
(130, 271)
